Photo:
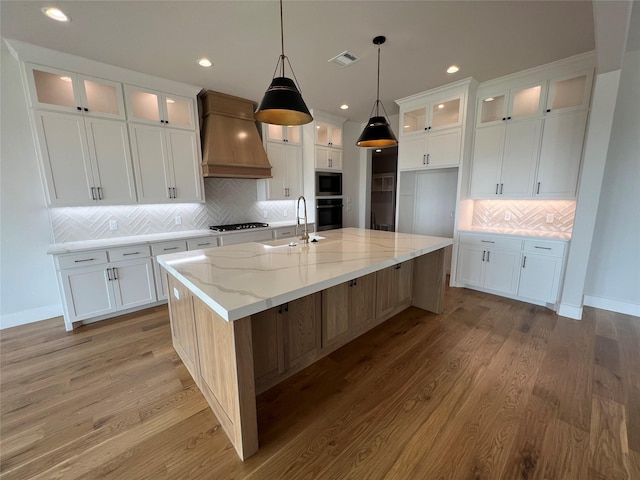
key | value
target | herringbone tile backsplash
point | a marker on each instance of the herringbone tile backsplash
(525, 214)
(227, 201)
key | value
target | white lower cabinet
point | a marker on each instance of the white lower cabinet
(102, 287)
(164, 248)
(529, 270)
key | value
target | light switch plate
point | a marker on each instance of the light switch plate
(550, 217)
(113, 224)
(176, 293)
(507, 216)
(178, 220)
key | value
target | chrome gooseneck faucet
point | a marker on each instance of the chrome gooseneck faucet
(304, 237)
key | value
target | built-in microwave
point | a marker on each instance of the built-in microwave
(328, 184)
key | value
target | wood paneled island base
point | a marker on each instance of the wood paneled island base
(233, 360)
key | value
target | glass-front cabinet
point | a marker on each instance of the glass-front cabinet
(441, 114)
(153, 107)
(285, 134)
(328, 134)
(516, 104)
(54, 89)
(570, 92)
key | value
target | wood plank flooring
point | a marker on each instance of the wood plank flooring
(490, 389)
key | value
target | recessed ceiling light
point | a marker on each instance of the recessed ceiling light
(452, 69)
(344, 106)
(407, 126)
(204, 62)
(65, 79)
(441, 106)
(490, 99)
(55, 14)
(378, 150)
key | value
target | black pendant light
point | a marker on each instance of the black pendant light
(282, 103)
(377, 133)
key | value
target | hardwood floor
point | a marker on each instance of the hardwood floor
(490, 389)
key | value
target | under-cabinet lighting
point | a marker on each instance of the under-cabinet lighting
(441, 106)
(204, 62)
(65, 79)
(453, 69)
(55, 14)
(407, 126)
(490, 99)
(170, 100)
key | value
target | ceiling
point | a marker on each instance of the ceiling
(487, 39)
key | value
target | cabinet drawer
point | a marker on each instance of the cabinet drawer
(84, 259)
(543, 247)
(128, 253)
(505, 243)
(286, 232)
(200, 243)
(168, 247)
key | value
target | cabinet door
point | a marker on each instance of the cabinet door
(412, 152)
(502, 270)
(268, 344)
(293, 172)
(569, 93)
(302, 327)
(403, 284)
(285, 134)
(133, 283)
(471, 265)
(363, 301)
(560, 155)
(53, 89)
(276, 185)
(444, 148)
(328, 134)
(150, 163)
(101, 98)
(178, 111)
(183, 327)
(385, 301)
(66, 159)
(488, 150)
(335, 159)
(540, 277)
(492, 109)
(525, 102)
(111, 161)
(87, 292)
(521, 149)
(144, 105)
(328, 158)
(445, 114)
(335, 314)
(185, 165)
(414, 121)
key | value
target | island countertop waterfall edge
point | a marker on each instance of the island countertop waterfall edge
(286, 307)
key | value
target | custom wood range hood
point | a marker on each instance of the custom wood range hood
(231, 144)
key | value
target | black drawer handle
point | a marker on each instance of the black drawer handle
(542, 248)
(85, 260)
(130, 253)
(487, 241)
(170, 248)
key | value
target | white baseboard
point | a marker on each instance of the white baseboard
(30, 316)
(612, 305)
(570, 311)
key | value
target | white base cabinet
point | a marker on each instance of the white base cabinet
(529, 270)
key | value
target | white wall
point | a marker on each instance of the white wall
(28, 287)
(613, 275)
(351, 174)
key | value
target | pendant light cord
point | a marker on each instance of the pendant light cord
(282, 57)
(378, 90)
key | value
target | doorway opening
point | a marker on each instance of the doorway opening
(384, 167)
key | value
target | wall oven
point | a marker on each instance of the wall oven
(328, 214)
(328, 184)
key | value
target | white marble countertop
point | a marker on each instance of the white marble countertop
(239, 280)
(83, 245)
(517, 233)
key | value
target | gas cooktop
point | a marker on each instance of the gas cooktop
(237, 226)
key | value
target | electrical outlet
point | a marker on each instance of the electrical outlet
(178, 220)
(113, 224)
(285, 213)
(507, 216)
(265, 214)
(550, 217)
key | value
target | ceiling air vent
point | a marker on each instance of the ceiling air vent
(344, 59)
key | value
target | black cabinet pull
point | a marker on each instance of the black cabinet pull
(79, 109)
(86, 109)
(109, 274)
(286, 307)
(483, 252)
(487, 241)
(100, 193)
(501, 189)
(93, 193)
(85, 260)
(504, 118)
(169, 248)
(488, 253)
(548, 110)
(542, 248)
(508, 118)
(497, 188)
(524, 261)
(130, 253)
(538, 190)
(115, 273)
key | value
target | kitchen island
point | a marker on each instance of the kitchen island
(245, 317)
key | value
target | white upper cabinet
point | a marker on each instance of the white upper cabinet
(284, 134)
(159, 108)
(569, 92)
(328, 134)
(166, 164)
(55, 89)
(434, 115)
(86, 161)
(514, 104)
(286, 172)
